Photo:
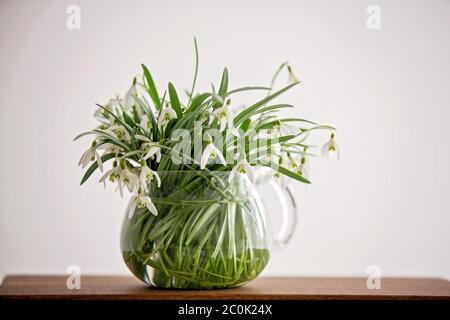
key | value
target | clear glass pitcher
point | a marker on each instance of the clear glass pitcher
(211, 231)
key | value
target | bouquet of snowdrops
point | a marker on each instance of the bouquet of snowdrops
(146, 134)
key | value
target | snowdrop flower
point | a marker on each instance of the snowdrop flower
(90, 155)
(127, 179)
(110, 105)
(208, 116)
(129, 100)
(123, 176)
(303, 170)
(282, 129)
(166, 115)
(152, 150)
(225, 117)
(243, 167)
(109, 148)
(112, 174)
(146, 177)
(291, 163)
(291, 75)
(145, 123)
(331, 149)
(211, 152)
(141, 201)
(120, 132)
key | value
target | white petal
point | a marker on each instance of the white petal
(131, 207)
(119, 185)
(150, 206)
(219, 155)
(206, 154)
(99, 160)
(325, 149)
(158, 179)
(223, 124)
(82, 158)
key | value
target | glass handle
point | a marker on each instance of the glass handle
(289, 211)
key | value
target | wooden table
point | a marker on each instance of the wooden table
(129, 288)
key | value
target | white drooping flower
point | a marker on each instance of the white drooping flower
(152, 150)
(303, 170)
(141, 201)
(147, 176)
(109, 148)
(112, 174)
(331, 149)
(243, 167)
(291, 76)
(127, 179)
(207, 116)
(281, 129)
(145, 123)
(291, 162)
(90, 155)
(129, 99)
(119, 132)
(166, 115)
(123, 176)
(111, 105)
(225, 117)
(211, 152)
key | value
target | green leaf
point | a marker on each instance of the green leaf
(276, 107)
(112, 139)
(94, 166)
(287, 172)
(271, 124)
(83, 134)
(150, 115)
(253, 109)
(297, 120)
(248, 89)
(246, 124)
(224, 83)
(273, 141)
(196, 71)
(151, 88)
(174, 101)
(197, 101)
(128, 119)
(275, 76)
(321, 127)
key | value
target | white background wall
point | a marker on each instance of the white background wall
(386, 202)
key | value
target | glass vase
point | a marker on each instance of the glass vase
(211, 231)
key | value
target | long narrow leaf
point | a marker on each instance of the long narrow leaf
(253, 109)
(196, 72)
(224, 83)
(247, 89)
(197, 101)
(174, 101)
(287, 172)
(151, 88)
